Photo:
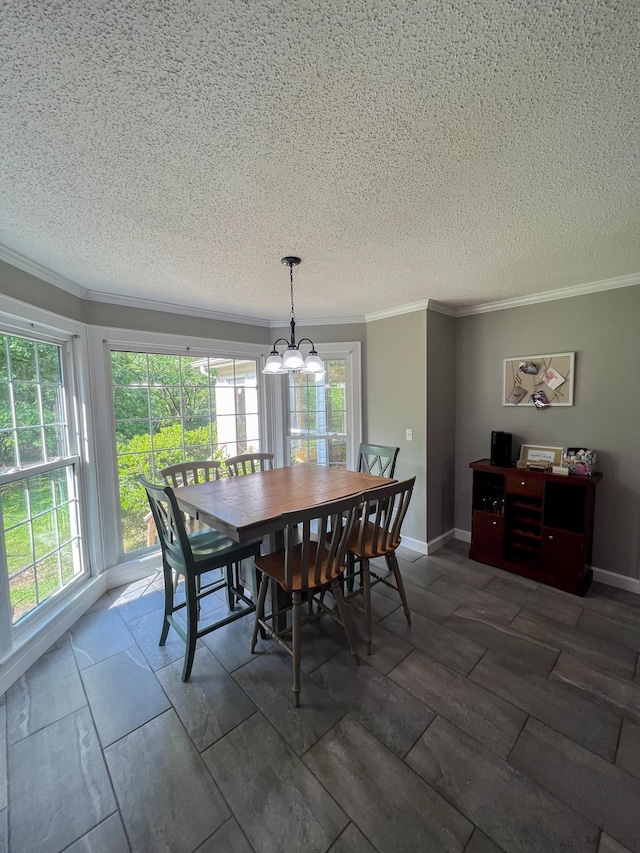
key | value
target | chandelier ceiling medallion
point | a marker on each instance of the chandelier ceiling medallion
(292, 359)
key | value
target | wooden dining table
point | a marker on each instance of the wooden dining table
(251, 506)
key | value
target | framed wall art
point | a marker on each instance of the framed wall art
(539, 380)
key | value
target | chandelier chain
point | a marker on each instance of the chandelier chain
(293, 313)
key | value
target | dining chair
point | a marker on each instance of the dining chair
(377, 459)
(191, 473)
(192, 556)
(378, 535)
(249, 463)
(312, 561)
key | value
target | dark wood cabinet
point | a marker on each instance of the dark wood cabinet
(535, 524)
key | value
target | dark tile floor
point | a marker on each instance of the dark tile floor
(507, 717)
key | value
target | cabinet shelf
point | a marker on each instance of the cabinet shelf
(545, 531)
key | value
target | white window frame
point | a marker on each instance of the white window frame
(351, 353)
(103, 340)
(23, 320)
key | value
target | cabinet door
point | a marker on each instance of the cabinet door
(487, 537)
(562, 552)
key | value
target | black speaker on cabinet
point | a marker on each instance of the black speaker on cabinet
(501, 448)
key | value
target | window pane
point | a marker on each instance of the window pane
(133, 498)
(56, 442)
(131, 402)
(26, 401)
(64, 524)
(22, 592)
(337, 452)
(52, 404)
(30, 446)
(44, 534)
(4, 363)
(166, 402)
(195, 401)
(7, 451)
(49, 363)
(23, 360)
(129, 368)
(18, 547)
(194, 371)
(246, 373)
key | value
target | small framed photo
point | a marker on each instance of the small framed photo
(533, 453)
(541, 381)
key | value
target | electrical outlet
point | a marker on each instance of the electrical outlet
(408, 434)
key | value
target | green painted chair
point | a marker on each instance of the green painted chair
(377, 459)
(191, 556)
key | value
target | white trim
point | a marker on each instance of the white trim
(41, 272)
(599, 575)
(36, 644)
(134, 570)
(409, 308)
(551, 295)
(434, 545)
(54, 278)
(171, 308)
(462, 535)
(320, 321)
(414, 544)
(616, 580)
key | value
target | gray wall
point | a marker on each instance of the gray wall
(441, 402)
(27, 288)
(395, 399)
(602, 329)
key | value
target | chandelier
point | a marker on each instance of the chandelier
(292, 359)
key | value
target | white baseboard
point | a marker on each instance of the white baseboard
(21, 658)
(434, 545)
(600, 575)
(614, 579)
(135, 570)
(414, 544)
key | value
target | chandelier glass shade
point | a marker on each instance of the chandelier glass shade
(292, 358)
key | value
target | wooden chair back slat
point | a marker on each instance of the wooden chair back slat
(249, 463)
(191, 473)
(319, 556)
(382, 517)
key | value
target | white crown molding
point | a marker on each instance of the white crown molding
(326, 321)
(171, 308)
(409, 308)
(43, 273)
(54, 278)
(550, 295)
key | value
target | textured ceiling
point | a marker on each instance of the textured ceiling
(465, 152)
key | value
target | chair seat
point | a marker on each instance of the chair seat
(369, 550)
(211, 545)
(273, 565)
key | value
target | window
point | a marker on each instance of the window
(318, 416)
(172, 408)
(41, 544)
